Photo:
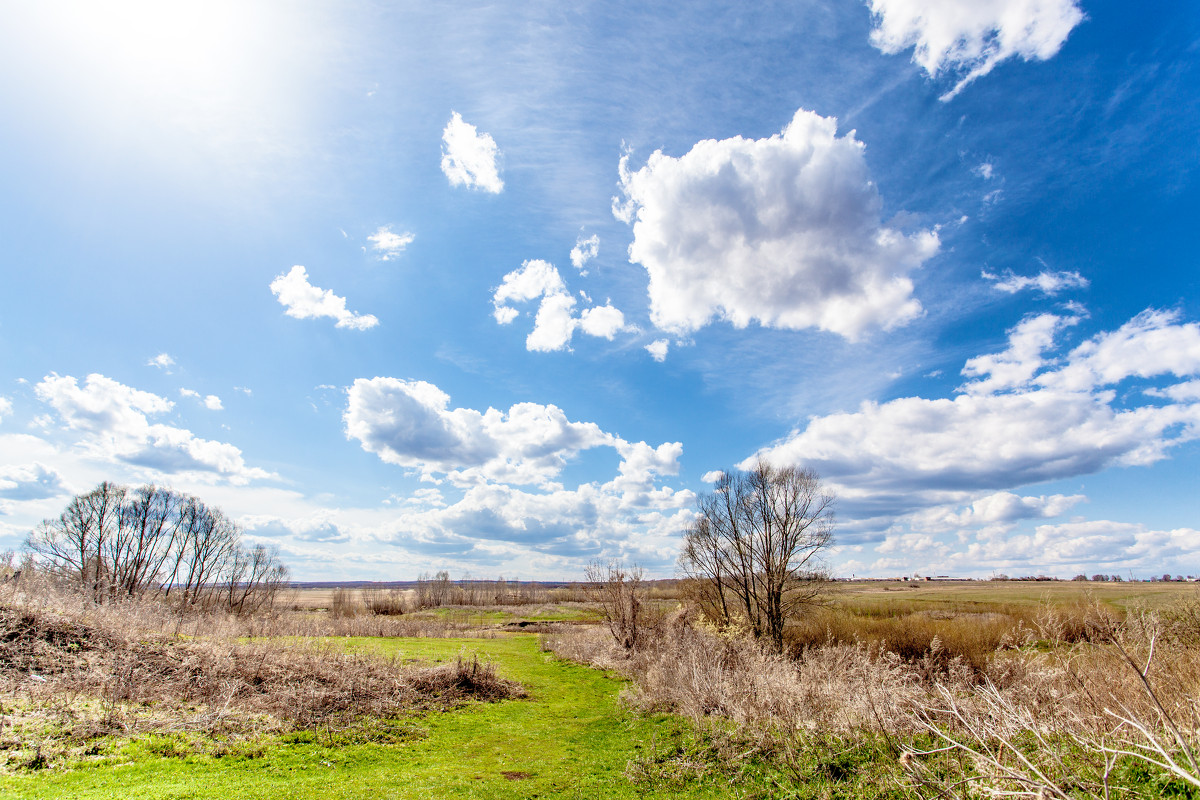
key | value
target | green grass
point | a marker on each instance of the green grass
(568, 739)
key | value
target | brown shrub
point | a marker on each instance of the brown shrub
(98, 670)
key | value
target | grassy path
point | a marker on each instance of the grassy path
(568, 739)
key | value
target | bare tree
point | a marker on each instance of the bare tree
(114, 543)
(754, 552)
(74, 543)
(618, 591)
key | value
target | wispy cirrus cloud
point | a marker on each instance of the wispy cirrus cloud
(302, 300)
(1047, 282)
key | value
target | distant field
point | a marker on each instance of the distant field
(990, 593)
(936, 594)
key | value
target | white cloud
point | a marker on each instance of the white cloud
(555, 323)
(985, 170)
(712, 476)
(534, 279)
(658, 349)
(1025, 420)
(1152, 343)
(584, 251)
(302, 300)
(114, 421)
(409, 423)
(1048, 283)
(968, 39)
(996, 511)
(783, 231)
(388, 245)
(1082, 545)
(211, 402)
(5, 408)
(30, 482)
(469, 157)
(1180, 392)
(162, 361)
(1016, 366)
(602, 321)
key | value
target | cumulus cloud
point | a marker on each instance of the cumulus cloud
(469, 157)
(555, 323)
(1025, 419)
(211, 402)
(602, 321)
(994, 511)
(114, 420)
(584, 251)
(783, 231)
(1180, 392)
(1046, 282)
(162, 361)
(410, 423)
(1015, 366)
(387, 244)
(1072, 546)
(968, 40)
(658, 349)
(712, 476)
(33, 481)
(302, 300)
(1152, 343)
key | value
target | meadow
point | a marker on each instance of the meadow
(889, 689)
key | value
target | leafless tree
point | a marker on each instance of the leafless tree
(114, 543)
(754, 552)
(618, 591)
(74, 542)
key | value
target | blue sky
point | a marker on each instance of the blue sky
(498, 289)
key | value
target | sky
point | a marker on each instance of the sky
(501, 289)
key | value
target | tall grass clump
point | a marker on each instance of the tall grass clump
(1068, 701)
(73, 671)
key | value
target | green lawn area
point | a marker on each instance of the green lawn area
(567, 739)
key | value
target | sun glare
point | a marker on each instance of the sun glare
(176, 78)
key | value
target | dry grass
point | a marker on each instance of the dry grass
(938, 636)
(71, 672)
(1068, 665)
(1068, 689)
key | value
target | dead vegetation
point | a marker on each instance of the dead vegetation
(1054, 706)
(72, 672)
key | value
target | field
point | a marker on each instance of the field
(568, 738)
(694, 714)
(986, 595)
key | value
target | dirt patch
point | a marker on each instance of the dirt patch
(515, 775)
